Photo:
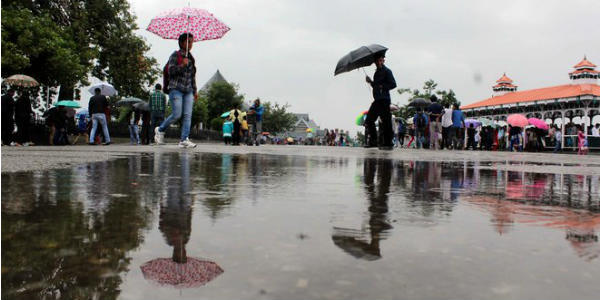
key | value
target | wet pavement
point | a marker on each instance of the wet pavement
(181, 225)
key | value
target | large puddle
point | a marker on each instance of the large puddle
(212, 226)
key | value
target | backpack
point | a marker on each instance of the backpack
(421, 123)
(166, 72)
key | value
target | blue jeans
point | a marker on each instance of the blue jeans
(156, 118)
(134, 135)
(182, 104)
(100, 117)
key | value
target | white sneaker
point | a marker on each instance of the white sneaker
(159, 137)
(186, 144)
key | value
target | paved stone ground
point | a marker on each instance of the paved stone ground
(15, 159)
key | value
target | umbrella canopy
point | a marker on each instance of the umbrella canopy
(419, 102)
(225, 114)
(541, 124)
(360, 119)
(142, 106)
(199, 22)
(517, 120)
(193, 273)
(309, 130)
(68, 103)
(21, 80)
(361, 57)
(106, 89)
(290, 140)
(129, 101)
(475, 123)
(83, 112)
(501, 123)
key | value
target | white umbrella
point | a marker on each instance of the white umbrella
(106, 89)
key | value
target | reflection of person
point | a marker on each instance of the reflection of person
(383, 81)
(354, 242)
(176, 213)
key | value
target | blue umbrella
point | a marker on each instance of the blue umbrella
(225, 114)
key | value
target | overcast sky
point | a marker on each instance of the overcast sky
(286, 51)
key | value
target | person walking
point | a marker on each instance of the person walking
(227, 130)
(401, 132)
(557, 141)
(134, 133)
(446, 127)
(582, 145)
(23, 115)
(8, 117)
(435, 111)
(420, 121)
(158, 104)
(236, 117)
(256, 110)
(146, 127)
(596, 130)
(383, 81)
(97, 107)
(181, 70)
(458, 122)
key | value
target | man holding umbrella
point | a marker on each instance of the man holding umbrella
(383, 81)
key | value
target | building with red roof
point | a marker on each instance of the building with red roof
(557, 104)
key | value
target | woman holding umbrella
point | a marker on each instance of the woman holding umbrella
(181, 72)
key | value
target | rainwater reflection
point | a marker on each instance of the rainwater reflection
(224, 226)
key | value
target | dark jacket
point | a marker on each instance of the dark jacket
(23, 109)
(383, 82)
(8, 109)
(97, 105)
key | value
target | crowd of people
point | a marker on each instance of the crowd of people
(437, 128)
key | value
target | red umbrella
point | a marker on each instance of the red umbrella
(517, 120)
(193, 273)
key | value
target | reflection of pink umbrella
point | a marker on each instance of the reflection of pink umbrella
(538, 123)
(193, 273)
(517, 120)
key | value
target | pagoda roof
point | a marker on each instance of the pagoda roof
(584, 64)
(580, 71)
(542, 94)
(504, 78)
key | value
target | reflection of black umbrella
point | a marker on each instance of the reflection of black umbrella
(142, 106)
(356, 243)
(419, 102)
(361, 57)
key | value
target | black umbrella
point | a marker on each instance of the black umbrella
(142, 106)
(419, 102)
(361, 57)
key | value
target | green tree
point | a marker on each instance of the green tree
(63, 42)
(219, 98)
(276, 118)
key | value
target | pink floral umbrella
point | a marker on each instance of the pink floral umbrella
(191, 274)
(541, 124)
(199, 22)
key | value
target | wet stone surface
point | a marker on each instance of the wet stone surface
(257, 226)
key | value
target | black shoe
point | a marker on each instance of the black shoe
(92, 144)
(106, 144)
